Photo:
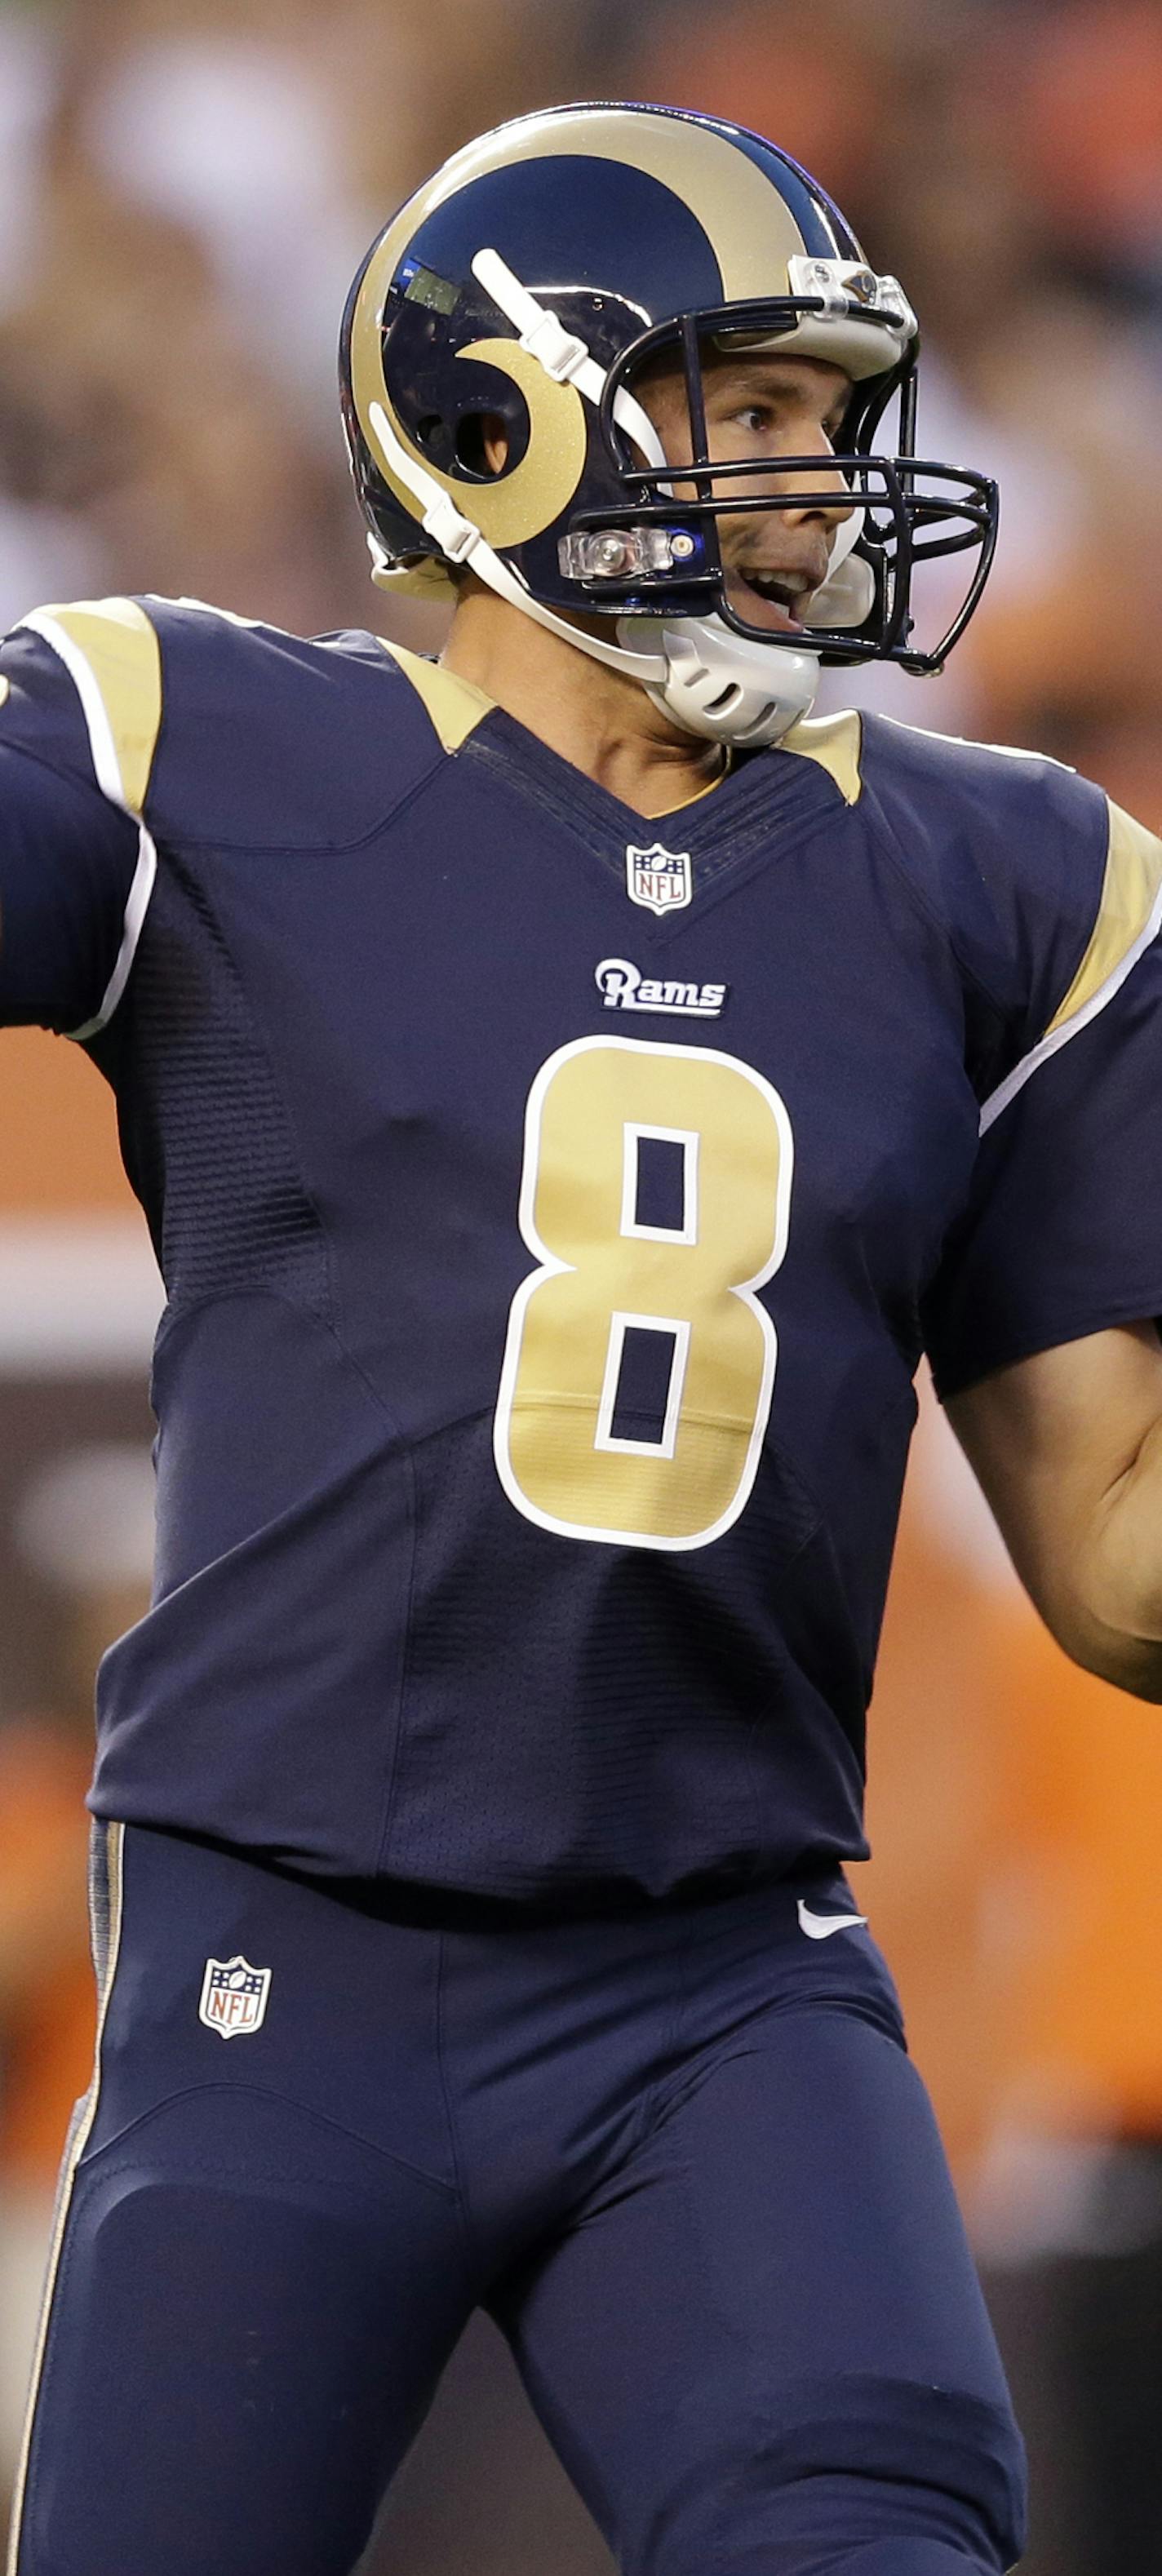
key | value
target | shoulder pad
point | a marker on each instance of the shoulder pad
(217, 731)
(1046, 893)
(915, 750)
(273, 742)
(84, 691)
(988, 787)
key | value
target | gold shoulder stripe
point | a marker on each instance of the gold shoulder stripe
(119, 644)
(1130, 890)
(836, 743)
(455, 706)
(5, 690)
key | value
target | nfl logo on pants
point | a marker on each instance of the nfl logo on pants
(233, 1997)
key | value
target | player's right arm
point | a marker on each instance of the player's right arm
(80, 712)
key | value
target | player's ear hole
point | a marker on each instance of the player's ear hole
(482, 443)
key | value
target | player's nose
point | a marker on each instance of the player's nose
(825, 492)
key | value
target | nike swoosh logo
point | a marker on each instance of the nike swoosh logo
(819, 1927)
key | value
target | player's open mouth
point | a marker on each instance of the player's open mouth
(775, 596)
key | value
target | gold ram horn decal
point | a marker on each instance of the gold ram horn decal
(517, 505)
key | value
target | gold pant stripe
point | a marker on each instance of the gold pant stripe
(78, 2139)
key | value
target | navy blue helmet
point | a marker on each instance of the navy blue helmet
(531, 281)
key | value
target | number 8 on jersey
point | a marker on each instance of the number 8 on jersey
(572, 1453)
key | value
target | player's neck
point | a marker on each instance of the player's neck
(592, 716)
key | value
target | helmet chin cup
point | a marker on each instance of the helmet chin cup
(845, 598)
(723, 686)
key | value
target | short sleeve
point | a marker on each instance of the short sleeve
(1062, 1234)
(80, 712)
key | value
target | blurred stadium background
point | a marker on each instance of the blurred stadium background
(185, 189)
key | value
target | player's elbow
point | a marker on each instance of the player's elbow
(1128, 1662)
(1112, 1616)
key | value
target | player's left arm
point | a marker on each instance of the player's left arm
(1040, 1323)
(1067, 1446)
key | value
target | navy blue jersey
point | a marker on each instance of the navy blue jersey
(553, 1207)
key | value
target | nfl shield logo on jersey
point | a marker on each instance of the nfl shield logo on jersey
(660, 879)
(233, 1997)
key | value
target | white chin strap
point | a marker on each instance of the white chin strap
(727, 687)
(714, 683)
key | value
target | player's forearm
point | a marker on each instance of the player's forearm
(1119, 1590)
(1068, 1448)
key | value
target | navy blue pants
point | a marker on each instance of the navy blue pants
(680, 2156)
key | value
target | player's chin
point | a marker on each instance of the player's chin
(760, 608)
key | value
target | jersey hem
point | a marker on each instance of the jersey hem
(1143, 1309)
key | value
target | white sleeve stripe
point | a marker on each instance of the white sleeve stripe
(106, 764)
(107, 769)
(135, 912)
(1059, 1037)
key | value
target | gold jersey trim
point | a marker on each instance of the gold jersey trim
(1129, 892)
(111, 650)
(455, 706)
(1129, 917)
(106, 1939)
(836, 742)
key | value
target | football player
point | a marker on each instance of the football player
(569, 1087)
